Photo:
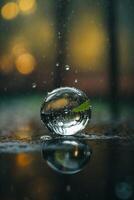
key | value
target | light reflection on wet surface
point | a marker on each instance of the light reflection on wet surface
(16, 145)
(108, 175)
(66, 155)
(24, 174)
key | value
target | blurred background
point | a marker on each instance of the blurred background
(87, 44)
(84, 44)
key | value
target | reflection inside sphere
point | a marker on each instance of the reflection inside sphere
(66, 111)
(67, 156)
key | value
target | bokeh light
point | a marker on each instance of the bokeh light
(6, 64)
(10, 10)
(27, 6)
(124, 190)
(23, 159)
(40, 35)
(25, 63)
(18, 47)
(87, 43)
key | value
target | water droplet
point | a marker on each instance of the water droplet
(57, 64)
(67, 67)
(68, 188)
(66, 156)
(59, 35)
(66, 111)
(34, 85)
(76, 81)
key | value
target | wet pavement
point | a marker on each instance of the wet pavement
(99, 162)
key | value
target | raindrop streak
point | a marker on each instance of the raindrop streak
(66, 111)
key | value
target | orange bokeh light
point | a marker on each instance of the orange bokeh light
(25, 63)
(24, 159)
(10, 10)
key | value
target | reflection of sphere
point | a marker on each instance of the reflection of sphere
(66, 111)
(66, 156)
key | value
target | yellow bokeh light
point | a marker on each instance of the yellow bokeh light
(25, 63)
(18, 49)
(24, 159)
(43, 39)
(18, 46)
(87, 44)
(27, 6)
(10, 10)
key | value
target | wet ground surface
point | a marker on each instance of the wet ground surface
(109, 173)
(28, 164)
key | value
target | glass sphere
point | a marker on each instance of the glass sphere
(66, 111)
(66, 156)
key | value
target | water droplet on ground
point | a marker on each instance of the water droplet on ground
(66, 111)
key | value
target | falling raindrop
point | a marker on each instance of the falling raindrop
(66, 111)
(76, 81)
(57, 64)
(34, 85)
(68, 188)
(67, 67)
(59, 35)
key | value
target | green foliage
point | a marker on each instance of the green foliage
(82, 107)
